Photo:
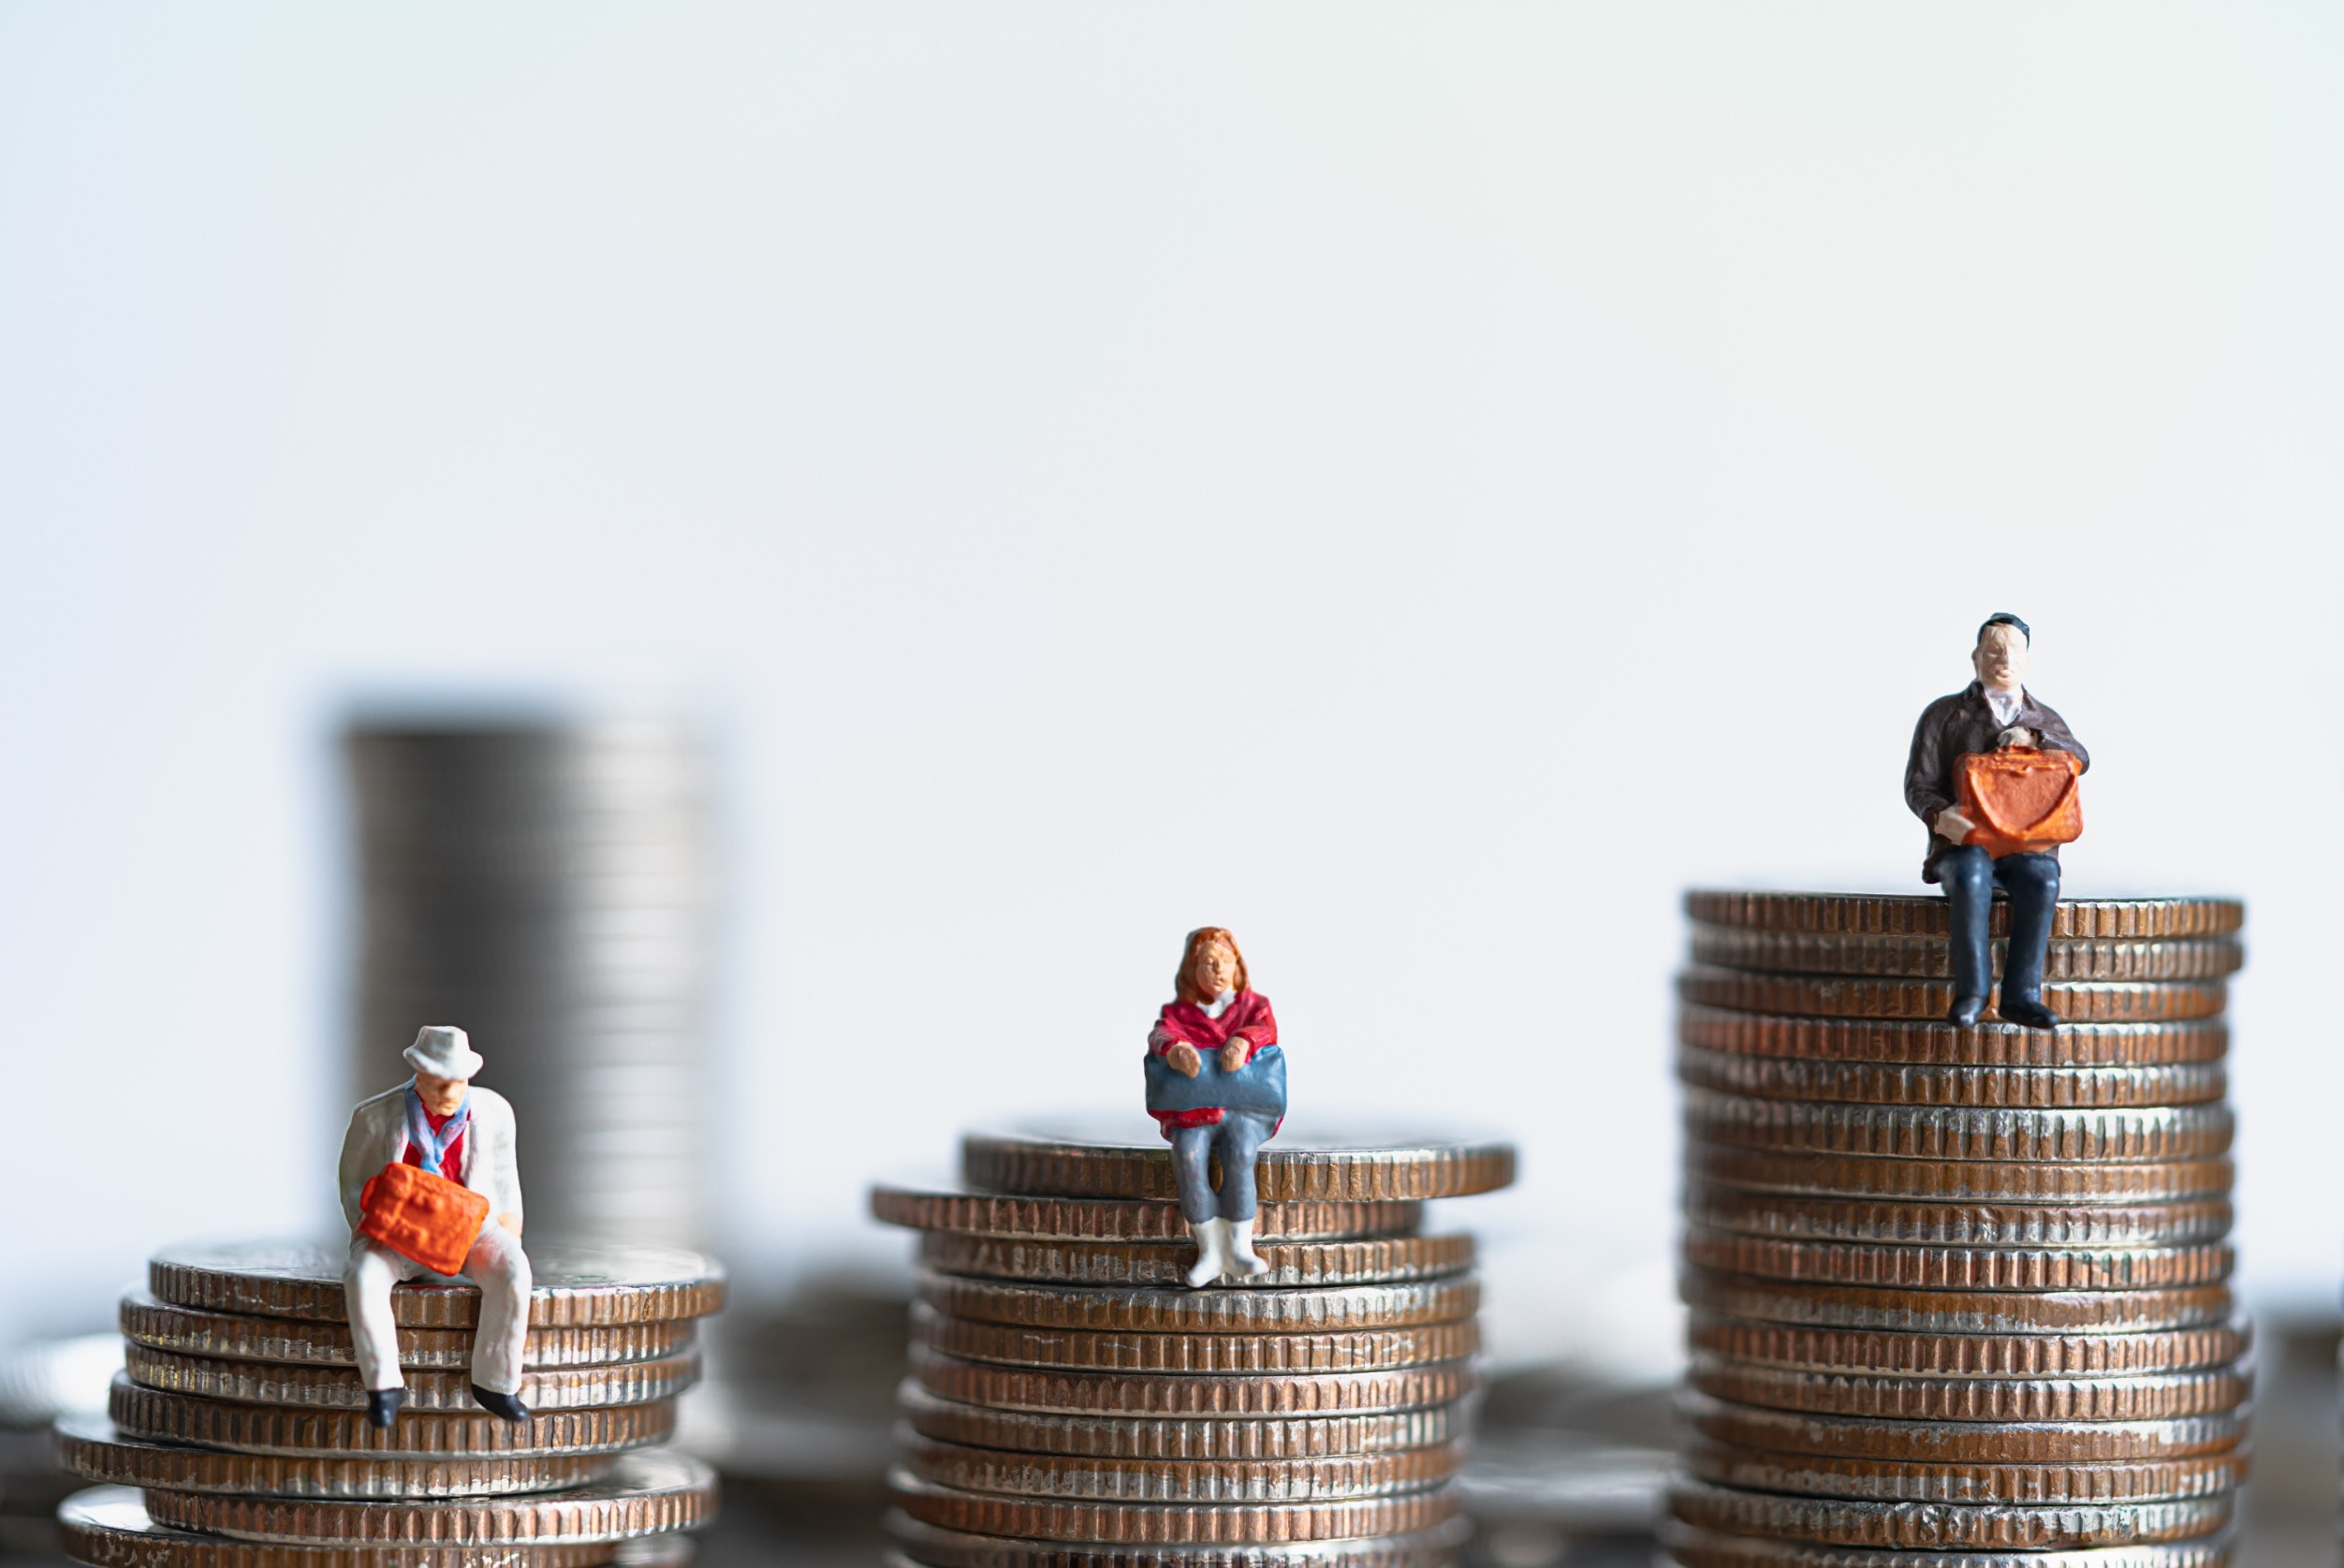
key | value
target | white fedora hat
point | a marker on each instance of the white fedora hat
(443, 1052)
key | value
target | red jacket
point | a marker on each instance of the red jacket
(1247, 1017)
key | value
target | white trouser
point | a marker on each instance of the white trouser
(496, 1264)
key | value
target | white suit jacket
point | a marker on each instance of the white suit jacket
(378, 1136)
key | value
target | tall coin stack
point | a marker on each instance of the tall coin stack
(1958, 1294)
(1072, 1404)
(238, 1435)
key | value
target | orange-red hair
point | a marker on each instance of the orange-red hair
(1184, 983)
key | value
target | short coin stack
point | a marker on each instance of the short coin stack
(241, 1423)
(1958, 1294)
(1072, 1404)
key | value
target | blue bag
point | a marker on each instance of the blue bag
(1258, 1086)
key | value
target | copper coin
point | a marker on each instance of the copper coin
(1291, 1263)
(1930, 915)
(1930, 958)
(928, 1545)
(1690, 1547)
(1792, 1431)
(276, 1383)
(1137, 1394)
(164, 1416)
(1172, 1436)
(1907, 1084)
(2144, 1134)
(2043, 1485)
(1359, 1350)
(644, 1494)
(1793, 1217)
(1092, 1479)
(1166, 1524)
(1448, 1300)
(1832, 997)
(107, 1526)
(575, 1285)
(1871, 1350)
(1956, 1180)
(1931, 1527)
(1052, 1219)
(1301, 1166)
(1955, 1311)
(1992, 1269)
(160, 1325)
(91, 1447)
(2150, 1397)
(1934, 1043)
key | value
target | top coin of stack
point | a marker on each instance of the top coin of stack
(1072, 1404)
(242, 1419)
(1958, 1293)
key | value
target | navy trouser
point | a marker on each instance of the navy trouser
(1233, 1138)
(2033, 881)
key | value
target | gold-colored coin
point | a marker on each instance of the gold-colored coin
(1938, 1443)
(92, 1447)
(1185, 1438)
(1135, 1393)
(1166, 1524)
(1361, 1350)
(309, 1342)
(927, 1545)
(1233, 1482)
(645, 1494)
(1831, 997)
(1331, 1310)
(1955, 1311)
(2149, 1396)
(1292, 1264)
(1690, 1547)
(2140, 1135)
(1793, 1217)
(1930, 958)
(2023, 1355)
(2026, 1182)
(1953, 1268)
(575, 1285)
(276, 1383)
(1930, 915)
(107, 1526)
(161, 1415)
(2040, 1485)
(1300, 1167)
(1991, 1527)
(1934, 1043)
(1905, 1083)
(1056, 1219)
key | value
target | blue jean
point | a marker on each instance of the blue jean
(2033, 881)
(1233, 1138)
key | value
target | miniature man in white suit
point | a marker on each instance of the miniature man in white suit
(436, 1115)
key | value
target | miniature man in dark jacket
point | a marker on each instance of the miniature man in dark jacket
(1996, 711)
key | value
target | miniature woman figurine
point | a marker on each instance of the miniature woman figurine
(1216, 1086)
(439, 1121)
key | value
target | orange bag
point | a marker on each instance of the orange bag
(422, 1217)
(2021, 799)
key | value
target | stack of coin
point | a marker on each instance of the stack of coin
(1958, 1295)
(1072, 1404)
(238, 1435)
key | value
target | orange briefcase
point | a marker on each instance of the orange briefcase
(2021, 799)
(426, 1218)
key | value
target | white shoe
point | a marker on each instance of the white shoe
(1243, 1259)
(1212, 1251)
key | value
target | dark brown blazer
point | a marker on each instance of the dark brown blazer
(1953, 727)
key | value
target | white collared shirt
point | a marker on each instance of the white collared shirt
(1219, 1004)
(2004, 704)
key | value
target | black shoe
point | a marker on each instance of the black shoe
(382, 1405)
(507, 1407)
(1966, 1011)
(2029, 1011)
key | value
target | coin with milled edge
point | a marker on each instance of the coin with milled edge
(1361, 1349)
(1934, 1043)
(1172, 1436)
(1291, 1263)
(2042, 1484)
(930, 1545)
(1177, 1481)
(1962, 1181)
(1859, 1350)
(577, 1284)
(1932, 1527)
(1057, 1219)
(275, 1383)
(107, 1526)
(90, 1446)
(164, 1416)
(1928, 914)
(1858, 997)
(1139, 1394)
(1954, 1312)
(1932, 957)
(1172, 1524)
(1301, 1166)
(1911, 1268)
(1905, 1083)
(1795, 1218)
(309, 1342)
(1851, 1437)
(2139, 1134)
(1447, 1299)
(1692, 1548)
(2147, 1397)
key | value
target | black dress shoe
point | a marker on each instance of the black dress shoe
(505, 1407)
(382, 1405)
(1966, 1011)
(2030, 1012)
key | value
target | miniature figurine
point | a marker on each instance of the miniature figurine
(1217, 1087)
(429, 1186)
(1993, 737)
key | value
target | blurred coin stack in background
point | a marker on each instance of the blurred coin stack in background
(237, 1436)
(1072, 1404)
(1955, 1291)
(549, 887)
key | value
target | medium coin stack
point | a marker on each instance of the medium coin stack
(238, 1435)
(1072, 1404)
(1958, 1294)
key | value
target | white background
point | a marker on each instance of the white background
(1420, 486)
